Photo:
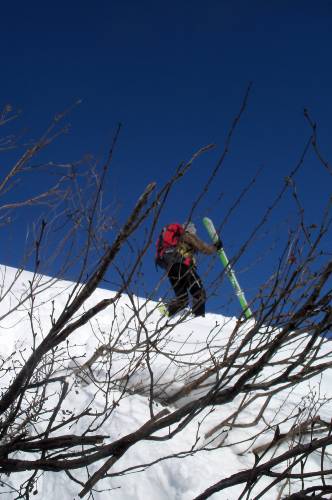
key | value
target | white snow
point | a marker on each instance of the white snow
(183, 346)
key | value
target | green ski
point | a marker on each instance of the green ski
(229, 271)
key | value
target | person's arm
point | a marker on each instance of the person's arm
(199, 245)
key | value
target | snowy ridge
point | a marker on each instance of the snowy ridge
(183, 349)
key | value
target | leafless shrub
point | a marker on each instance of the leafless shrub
(262, 359)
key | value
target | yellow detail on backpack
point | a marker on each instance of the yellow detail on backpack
(186, 252)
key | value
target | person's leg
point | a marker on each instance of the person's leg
(178, 278)
(198, 293)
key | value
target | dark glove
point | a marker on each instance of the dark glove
(218, 244)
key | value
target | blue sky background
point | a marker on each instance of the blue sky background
(174, 74)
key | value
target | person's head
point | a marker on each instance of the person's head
(190, 227)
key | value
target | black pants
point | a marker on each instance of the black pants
(185, 280)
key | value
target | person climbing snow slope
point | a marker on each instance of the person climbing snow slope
(176, 249)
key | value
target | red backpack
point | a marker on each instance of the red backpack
(167, 243)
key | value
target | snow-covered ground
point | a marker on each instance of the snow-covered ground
(181, 348)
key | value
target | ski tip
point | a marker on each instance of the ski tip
(207, 221)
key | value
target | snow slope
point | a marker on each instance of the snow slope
(179, 478)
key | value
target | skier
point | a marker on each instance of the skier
(176, 248)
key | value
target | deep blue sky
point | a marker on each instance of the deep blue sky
(175, 73)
